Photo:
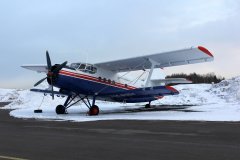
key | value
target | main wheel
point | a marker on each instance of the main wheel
(60, 109)
(147, 106)
(93, 111)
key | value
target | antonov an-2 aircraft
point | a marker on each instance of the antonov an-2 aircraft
(104, 81)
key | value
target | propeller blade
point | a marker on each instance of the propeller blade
(52, 89)
(49, 64)
(56, 70)
(39, 82)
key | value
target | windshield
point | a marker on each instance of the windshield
(91, 69)
(82, 67)
(75, 65)
(88, 68)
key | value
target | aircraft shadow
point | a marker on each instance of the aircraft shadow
(154, 108)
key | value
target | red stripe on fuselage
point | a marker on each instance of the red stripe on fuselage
(94, 79)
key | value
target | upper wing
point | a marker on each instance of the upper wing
(38, 68)
(166, 59)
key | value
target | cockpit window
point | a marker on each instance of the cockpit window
(91, 69)
(82, 67)
(88, 68)
(75, 65)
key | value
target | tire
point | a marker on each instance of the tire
(60, 109)
(147, 106)
(93, 111)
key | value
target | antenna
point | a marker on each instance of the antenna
(87, 57)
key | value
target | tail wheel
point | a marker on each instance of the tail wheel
(60, 109)
(147, 106)
(93, 111)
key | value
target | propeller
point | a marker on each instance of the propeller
(52, 72)
(36, 84)
(49, 64)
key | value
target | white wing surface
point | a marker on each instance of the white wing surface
(37, 68)
(166, 59)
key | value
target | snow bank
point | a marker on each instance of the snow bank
(211, 102)
(8, 95)
(228, 90)
(192, 94)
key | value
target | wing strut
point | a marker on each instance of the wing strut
(153, 65)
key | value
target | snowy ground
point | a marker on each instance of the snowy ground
(211, 102)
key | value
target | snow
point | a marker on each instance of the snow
(8, 95)
(208, 102)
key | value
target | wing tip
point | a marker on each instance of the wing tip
(172, 89)
(24, 66)
(205, 50)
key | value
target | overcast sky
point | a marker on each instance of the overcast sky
(102, 30)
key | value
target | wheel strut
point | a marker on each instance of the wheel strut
(148, 105)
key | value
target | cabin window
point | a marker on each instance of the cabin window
(75, 65)
(82, 67)
(91, 69)
(94, 70)
(88, 68)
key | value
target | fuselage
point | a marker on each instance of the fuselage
(96, 82)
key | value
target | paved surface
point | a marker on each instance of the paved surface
(140, 140)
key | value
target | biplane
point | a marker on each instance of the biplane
(105, 81)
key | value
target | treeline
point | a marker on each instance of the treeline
(198, 78)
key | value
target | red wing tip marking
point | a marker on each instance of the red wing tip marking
(171, 89)
(205, 50)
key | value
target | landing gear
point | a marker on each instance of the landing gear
(93, 109)
(148, 105)
(60, 109)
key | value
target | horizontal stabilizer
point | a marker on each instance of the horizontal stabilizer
(157, 82)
